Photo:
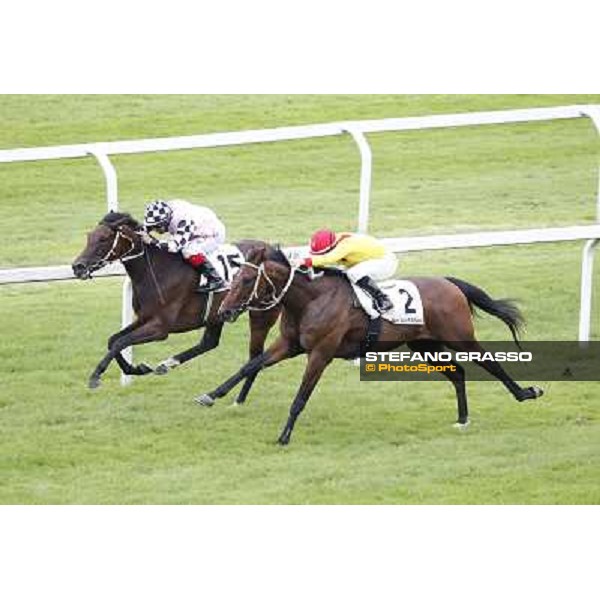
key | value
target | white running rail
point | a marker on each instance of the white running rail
(357, 130)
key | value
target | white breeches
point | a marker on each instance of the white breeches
(377, 268)
(203, 246)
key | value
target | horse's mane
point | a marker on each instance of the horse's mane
(275, 253)
(113, 219)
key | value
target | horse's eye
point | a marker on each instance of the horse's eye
(247, 280)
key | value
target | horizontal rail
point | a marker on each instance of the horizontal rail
(496, 117)
(406, 244)
(236, 138)
(494, 238)
(210, 140)
(54, 273)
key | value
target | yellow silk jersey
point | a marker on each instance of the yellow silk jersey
(351, 249)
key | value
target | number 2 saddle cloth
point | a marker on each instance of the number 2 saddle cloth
(408, 306)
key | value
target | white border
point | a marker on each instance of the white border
(299, 552)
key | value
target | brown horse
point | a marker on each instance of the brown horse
(165, 299)
(320, 318)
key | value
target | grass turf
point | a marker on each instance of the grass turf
(373, 442)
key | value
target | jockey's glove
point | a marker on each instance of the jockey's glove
(300, 263)
(148, 239)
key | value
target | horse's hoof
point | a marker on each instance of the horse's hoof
(538, 391)
(205, 400)
(166, 365)
(143, 369)
(461, 426)
(284, 438)
(94, 383)
(531, 393)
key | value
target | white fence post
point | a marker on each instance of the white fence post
(127, 319)
(112, 202)
(110, 177)
(587, 259)
(366, 170)
(587, 282)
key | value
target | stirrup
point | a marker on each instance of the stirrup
(212, 286)
(384, 306)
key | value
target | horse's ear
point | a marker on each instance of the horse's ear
(257, 255)
(125, 227)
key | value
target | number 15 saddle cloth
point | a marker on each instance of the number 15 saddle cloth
(227, 260)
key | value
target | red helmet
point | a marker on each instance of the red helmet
(322, 241)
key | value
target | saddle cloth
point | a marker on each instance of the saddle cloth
(408, 306)
(227, 260)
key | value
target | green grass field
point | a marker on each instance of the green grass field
(356, 442)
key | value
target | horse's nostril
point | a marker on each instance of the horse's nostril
(227, 315)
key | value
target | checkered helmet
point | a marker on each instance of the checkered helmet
(157, 213)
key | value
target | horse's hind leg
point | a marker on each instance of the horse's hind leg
(495, 369)
(210, 340)
(455, 376)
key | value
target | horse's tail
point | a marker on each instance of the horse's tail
(504, 309)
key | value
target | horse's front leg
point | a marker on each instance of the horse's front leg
(149, 331)
(318, 360)
(279, 350)
(126, 367)
(260, 325)
(210, 340)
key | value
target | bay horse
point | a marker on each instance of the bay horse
(320, 319)
(165, 299)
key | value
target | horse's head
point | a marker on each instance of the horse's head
(114, 238)
(260, 284)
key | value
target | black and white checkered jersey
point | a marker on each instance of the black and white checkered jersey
(189, 222)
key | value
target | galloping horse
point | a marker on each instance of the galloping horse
(320, 318)
(164, 297)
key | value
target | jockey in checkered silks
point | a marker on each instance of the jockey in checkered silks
(193, 230)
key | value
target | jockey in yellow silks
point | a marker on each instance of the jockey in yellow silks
(364, 258)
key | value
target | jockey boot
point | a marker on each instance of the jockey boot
(214, 282)
(382, 302)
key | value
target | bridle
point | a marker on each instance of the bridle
(125, 257)
(275, 298)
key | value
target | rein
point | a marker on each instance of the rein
(154, 278)
(276, 299)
